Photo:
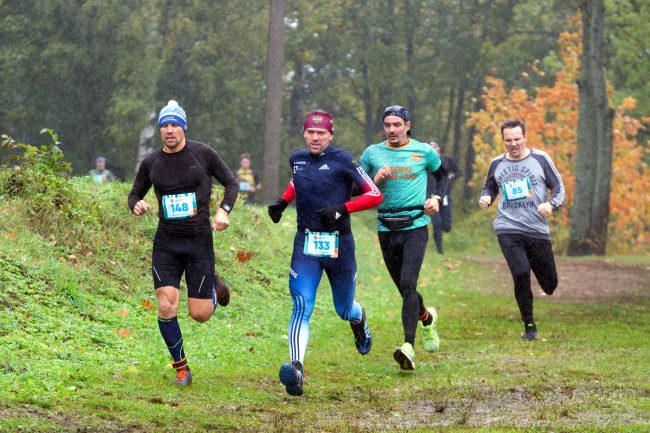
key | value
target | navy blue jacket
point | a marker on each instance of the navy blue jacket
(324, 180)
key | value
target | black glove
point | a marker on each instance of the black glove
(332, 214)
(276, 209)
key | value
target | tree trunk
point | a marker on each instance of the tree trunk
(273, 107)
(469, 194)
(297, 99)
(147, 139)
(590, 212)
(458, 121)
(369, 119)
(410, 20)
(444, 144)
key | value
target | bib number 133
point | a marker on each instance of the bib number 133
(322, 244)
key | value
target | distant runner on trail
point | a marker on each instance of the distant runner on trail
(441, 222)
(181, 173)
(521, 177)
(400, 166)
(323, 178)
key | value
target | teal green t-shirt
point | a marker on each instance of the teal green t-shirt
(407, 185)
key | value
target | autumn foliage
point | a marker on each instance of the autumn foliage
(551, 117)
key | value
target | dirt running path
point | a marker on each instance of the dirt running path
(598, 282)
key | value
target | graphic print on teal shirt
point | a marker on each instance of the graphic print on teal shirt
(407, 185)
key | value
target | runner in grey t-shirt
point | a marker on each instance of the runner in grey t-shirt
(521, 177)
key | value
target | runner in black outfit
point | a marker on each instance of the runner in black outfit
(181, 173)
(442, 220)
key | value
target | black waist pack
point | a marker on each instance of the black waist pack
(398, 222)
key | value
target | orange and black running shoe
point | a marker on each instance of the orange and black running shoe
(223, 291)
(183, 376)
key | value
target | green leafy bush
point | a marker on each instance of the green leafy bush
(47, 199)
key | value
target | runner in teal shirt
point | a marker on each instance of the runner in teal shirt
(407, 185)
(399, 168)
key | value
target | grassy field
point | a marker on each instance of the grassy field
(80, 349)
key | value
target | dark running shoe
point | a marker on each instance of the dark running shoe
(405, 356)
(291, 377)
(183, 376)
(223, 291)
(362, 335)
(530, 332)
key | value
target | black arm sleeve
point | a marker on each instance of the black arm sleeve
(141, 185)
(452, 167)
(226, 177)
(442, 181)
(491, 187)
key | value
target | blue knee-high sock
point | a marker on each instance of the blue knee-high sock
(171, 333)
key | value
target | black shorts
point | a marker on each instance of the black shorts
(194, 255)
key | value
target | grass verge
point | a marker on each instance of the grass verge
(80, 348)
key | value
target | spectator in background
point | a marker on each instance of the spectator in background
(100, 174)
(442, 220)
(248, 181)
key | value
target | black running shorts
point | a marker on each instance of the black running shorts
(193, 255)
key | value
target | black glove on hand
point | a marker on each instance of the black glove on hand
(332, 214)
(276, 209)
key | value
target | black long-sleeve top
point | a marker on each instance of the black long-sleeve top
(187, 171)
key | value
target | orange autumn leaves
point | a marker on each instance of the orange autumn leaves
(126, 332)
(551, 117)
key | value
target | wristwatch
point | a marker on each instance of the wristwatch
(225, 207)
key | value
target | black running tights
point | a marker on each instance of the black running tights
(523, 254)
(403, 253)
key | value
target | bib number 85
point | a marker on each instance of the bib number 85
(518, 189)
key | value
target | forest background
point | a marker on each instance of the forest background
(97, 72)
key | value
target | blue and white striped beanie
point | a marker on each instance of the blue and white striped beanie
(172, 113)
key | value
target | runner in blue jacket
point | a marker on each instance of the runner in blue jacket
(323, 179)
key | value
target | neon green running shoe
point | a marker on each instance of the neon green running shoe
(405, 356)
(430, 339)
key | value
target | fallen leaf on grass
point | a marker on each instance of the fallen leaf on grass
(10, 235)
(124, 332)
(123, 313)
(147, 305)
(244, 256)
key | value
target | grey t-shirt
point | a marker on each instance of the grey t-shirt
(522, 186)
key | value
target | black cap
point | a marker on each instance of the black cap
(397, 110)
